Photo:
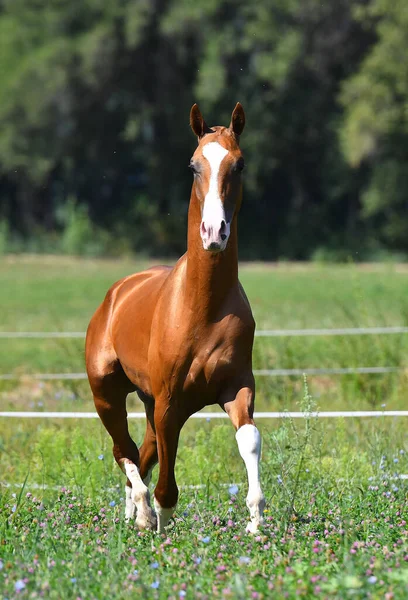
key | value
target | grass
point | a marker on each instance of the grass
(335, 517)
(336, 505)
(61, 294)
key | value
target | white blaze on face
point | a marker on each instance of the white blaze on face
(213, 210)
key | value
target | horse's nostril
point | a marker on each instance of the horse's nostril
(203, 228)
(223, 226)
(223, 237)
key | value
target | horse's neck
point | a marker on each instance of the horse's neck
(209, 277)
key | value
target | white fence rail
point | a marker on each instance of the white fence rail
(259, 333)
(257, 373)
(215, 415)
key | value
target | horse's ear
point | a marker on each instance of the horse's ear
(237, 119)
(197, 123)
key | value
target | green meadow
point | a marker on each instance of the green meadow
(336, 515)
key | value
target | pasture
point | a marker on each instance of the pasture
(336, 515)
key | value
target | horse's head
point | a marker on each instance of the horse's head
(217, 165)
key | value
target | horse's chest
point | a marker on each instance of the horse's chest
(210, 367)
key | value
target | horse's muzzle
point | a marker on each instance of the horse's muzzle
(214, 238)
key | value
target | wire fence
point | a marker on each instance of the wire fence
(215, 415)
(257, 373)
(259, 333)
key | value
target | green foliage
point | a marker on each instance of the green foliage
(94, 104)
(375, 131)
(4, 235)
(80, 237)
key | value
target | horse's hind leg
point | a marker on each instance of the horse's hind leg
(110, 403)
(148, 450)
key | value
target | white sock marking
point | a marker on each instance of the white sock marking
(163, 516)
(213, 211)
(130, 509)
(139, 497)
(249, 446)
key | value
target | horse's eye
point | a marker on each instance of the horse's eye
(240, 164)
(192, 166)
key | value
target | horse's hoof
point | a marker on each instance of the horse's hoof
(253, 526)
(147, 521)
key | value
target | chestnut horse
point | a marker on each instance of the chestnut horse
(182, 338)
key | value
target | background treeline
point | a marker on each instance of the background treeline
(94, 136)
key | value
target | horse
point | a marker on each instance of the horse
(182, 338)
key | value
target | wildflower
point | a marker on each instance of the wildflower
(279, 479)
(372, 579)
(244, 559)
(112, 503)
(208, 419)
(1, 565)
(233, 489)
(183, 593)
(205, 539)
(73, 579)
(101, 457)
(155, 585)
(19, 585)
(154, 565)
(198, 560)
(396, 460)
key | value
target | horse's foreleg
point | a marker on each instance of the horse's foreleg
(166, 492)
(240, 410)
(114, 417)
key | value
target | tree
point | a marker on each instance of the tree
(375, 130)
